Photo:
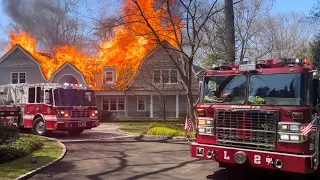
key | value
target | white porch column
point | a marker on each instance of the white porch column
(126, 106)
(151, 106)
(177, 106)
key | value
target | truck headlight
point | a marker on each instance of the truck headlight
(289, 126)
(63, 114)
(284, 137)
(201, 130)
(294, 127)
(205, 125)
(292, 137)
(205, 121)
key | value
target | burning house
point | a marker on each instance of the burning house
(155, 88)
(132, 76)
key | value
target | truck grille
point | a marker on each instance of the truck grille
(78, 113)
(255, 129)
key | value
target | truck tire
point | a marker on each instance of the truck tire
(75, 131)
(39, 127)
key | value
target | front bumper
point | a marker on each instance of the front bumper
(263, 159)
(65, 125)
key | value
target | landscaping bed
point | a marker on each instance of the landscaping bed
(46, 153)
(17, 149)
(169, 129)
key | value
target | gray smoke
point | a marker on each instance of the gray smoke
(47, 21)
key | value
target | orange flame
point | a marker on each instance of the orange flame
(124, 51)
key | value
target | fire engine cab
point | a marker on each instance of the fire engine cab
(260, 114)
(48, 107)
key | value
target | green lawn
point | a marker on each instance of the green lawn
(133, 127)
(48, 152)
(169, 129)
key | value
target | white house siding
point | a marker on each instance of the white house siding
(132, 107)
(18, 61)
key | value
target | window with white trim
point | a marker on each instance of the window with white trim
(166, 76)
(156, 76)
(22, 77)
(18, 77)
(109, 77)
(174, 76)
(120, 104)
(113, 104)
(105, 104)
(141, 101)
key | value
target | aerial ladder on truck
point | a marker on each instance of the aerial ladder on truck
(48, 107)
(12, 95)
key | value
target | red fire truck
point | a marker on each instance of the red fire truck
(260, 114)
(49, 107)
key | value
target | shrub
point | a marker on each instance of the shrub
(167, 125)
(7, 133)
(141, 120)
(165, 131)
(21, 146)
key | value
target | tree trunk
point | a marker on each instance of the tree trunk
(191, 114)
(189, 94)
(164, 109)
(230, 31)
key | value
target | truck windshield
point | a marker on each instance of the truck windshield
(74, 97)
(279, 89)
(225, 89)
(87, 98)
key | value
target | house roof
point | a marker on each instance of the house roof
(166, 43)
(17, 46)
(73, 67)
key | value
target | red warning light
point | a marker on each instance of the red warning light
(306, 60)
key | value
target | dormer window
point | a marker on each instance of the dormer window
(165, 76)
(109, 75)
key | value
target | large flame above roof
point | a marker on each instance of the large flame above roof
(124, 51)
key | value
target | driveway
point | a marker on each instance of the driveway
(101, 132)
(141, 158)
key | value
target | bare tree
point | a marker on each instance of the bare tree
(213, 45)
(186, 23)
(283, 36)
(50, 22)
(230, 31)
(248, 13)
(160, 77)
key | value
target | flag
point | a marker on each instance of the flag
(311, 126)
(187, 124)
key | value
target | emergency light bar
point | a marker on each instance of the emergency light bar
(76, 85)
(247, 65)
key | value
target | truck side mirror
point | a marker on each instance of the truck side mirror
(88, 96)
(316, 75)
(47, 98)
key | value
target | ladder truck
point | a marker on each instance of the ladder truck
(48, 107)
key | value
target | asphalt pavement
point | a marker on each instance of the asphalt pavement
(105, 153)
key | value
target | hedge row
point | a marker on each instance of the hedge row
(7, 133)
(165, 131)
(23, 145)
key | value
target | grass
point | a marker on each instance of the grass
(168, 129)
(133, 127)
(48, 152)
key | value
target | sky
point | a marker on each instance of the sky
(293, 5)
(279, 6)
